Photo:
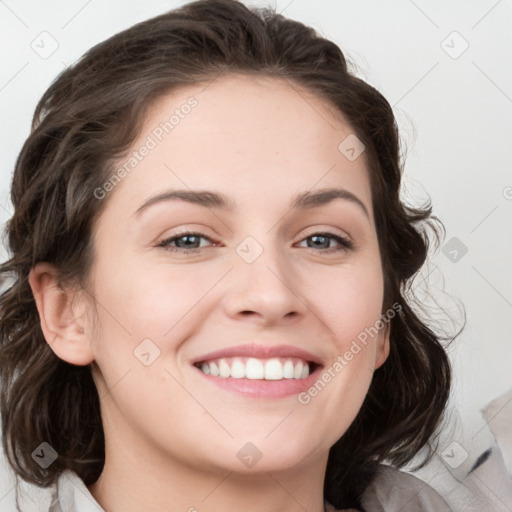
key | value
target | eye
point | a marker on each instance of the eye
(185, 242)
(323, 240)
(191, 242)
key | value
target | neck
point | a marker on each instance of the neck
(142, 478)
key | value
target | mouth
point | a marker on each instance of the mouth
(260, 371)
(252, 368)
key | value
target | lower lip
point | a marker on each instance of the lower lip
(263, 388)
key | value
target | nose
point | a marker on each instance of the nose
(263, 288)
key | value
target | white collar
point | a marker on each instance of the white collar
(72, 495)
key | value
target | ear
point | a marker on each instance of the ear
(63, 320)
(382, 352)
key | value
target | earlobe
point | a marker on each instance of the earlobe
(383, 348)
(63, 324)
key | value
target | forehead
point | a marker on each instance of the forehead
(247, 135)
(247, 109)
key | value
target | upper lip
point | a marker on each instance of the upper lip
(260, 352)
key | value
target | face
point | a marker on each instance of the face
(250, 280)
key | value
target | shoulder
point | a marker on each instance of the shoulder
(68, 494)
(392, 489)
(16, 492)
(73, 496)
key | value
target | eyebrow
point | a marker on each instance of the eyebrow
(215, 200)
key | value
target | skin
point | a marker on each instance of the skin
(172, 438)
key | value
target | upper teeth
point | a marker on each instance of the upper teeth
(252, 368)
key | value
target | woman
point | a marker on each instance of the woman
(210, 261)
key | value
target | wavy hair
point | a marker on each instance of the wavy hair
(86, 120)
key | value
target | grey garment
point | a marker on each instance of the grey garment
(395, 491)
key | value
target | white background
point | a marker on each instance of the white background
(455, 115)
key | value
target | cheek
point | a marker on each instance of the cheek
(149, 302)
(353, 314)
(355, 309)
(351, 304)
(144, 318)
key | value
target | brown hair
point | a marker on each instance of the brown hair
(86, 120)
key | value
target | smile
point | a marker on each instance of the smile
(275, 368)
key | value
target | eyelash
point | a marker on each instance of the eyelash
(345, 243)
